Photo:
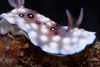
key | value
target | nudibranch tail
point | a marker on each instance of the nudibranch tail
(6, 27)
(16, 3)
(79, 21)
(70, 20)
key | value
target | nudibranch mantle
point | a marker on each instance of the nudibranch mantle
(48, 35)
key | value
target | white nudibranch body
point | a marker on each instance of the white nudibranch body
(45, 33)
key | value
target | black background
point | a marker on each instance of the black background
(55, 10)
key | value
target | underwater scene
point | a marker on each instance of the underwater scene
(49, 33)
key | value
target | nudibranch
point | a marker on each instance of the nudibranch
(46, 34)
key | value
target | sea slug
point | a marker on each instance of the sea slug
(48, 35)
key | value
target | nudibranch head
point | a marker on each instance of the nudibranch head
(48, 35)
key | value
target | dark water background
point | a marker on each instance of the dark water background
(55, 10)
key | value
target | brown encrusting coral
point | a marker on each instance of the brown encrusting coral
(18, 51)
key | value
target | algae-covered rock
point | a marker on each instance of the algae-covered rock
(18, 51)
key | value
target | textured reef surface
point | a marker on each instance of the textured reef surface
(18, 51)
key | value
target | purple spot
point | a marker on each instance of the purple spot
(66, 30)
(37, 22)
(21, 15)
(30, 15)
(58, 25)
(56, 33)
(52, 29)
(44, 23)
